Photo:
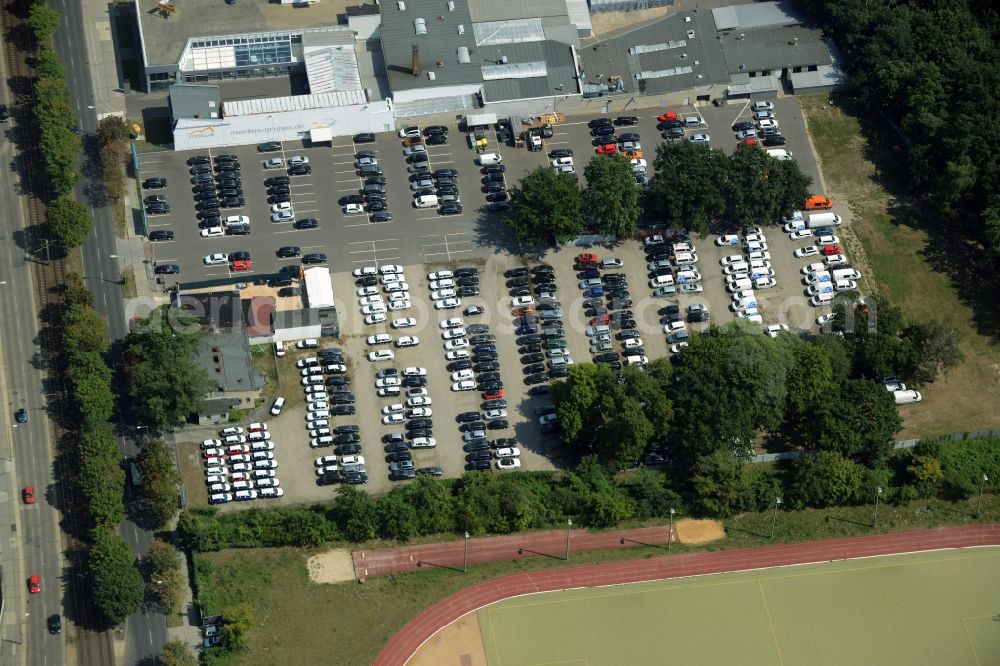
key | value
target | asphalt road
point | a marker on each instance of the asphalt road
(145, 633)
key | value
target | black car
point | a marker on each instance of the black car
(526, 329)
(429, 471)
(287, 251)
(356, 479)
(452, 208)
(299, 169)
(589, 273)
(21, 415)
(314, 258)
(626, 120)
(494, 168)
(277, 180)
(381, 216)
(338, 380)
(269, 147)
(347, 449)
(55, 624)
(467, 291)
(529, 349)
(280, 281)
(556, 373)
(465, 270)
(347, 438)
(487, 366)
(199, 169)
(535, 379)
(417, 424)
(532, 358)
(436, 140)
(226, 193)
(603, 130)
(414, 382)
(343, 410)
(478, 465)
(278, 189)
(534, 368)
(225, 158)
(519, 291)
(227, 167)
(455, 366)
(418, 158)
(234, 202)
(329, 479)
(774, 140)
(366, 281)
(544, 389)
(445, 173)
(467, 282)
(599, 122)
(241, 255)
(498, 424)
(484, 454)
(364, 137)
(167, 269)
(494, 187)
(435, 130)
(606, 357)
(468, 417)
(286, 292)
(419, 432)
(672, 133)
(342, 398)
(394, 447)
(397, 456)
(154, 183)
(161, 235)
(4, 114)
(306, 223)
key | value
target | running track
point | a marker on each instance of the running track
(399, 649)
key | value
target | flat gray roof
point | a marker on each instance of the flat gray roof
(504, 10)
(445, 31)
(560, 78)
(189, 100)
(294, 318)
(774, 48)
(164, 39)
(225, 355)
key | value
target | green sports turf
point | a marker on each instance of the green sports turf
(933, 609)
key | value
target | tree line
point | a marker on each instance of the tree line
(693, 186)
(932, 69)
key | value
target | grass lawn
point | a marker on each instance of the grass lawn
(925, 608)
(356, 619)
(890, 241)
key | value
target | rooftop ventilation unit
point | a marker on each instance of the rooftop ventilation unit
(519, 70)
(461, 31)
(401, 6)
(451, 5)
(420, 26)
(431, 76)
(463, 53)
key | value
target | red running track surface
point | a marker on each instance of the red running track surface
(399, 649)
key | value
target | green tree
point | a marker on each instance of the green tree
(69, 221)
(48, 65)
(688, 185)
(825, 479)
(75, 292)
(114, 130)
(100, 477)
(84, 330)
(477, 505)
(611, 197)
(396, 517)
(937, 348)
(354, 512)
(43, 20)
(61, 149)
(546, 207)
(434, 504)
(609, 508)
(165, 384)
(809, 385)
(859, 420)
(162, 556)
(118, 589)
(239, 620)
(91, 379)
(925, 474)
(176, 652)
(160, 483)
(719, 486)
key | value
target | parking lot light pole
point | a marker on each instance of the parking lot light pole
(670, 530)
(465, 565)
(774, 517)
(569, 524)
(982, 487)
(878, 493)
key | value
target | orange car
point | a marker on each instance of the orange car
(633, 154)
(520, 312)
(587, 259)
(413, 141)
(818, 202)
(241, 265)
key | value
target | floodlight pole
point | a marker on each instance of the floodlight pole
(465, 564)
(878, 494)
(774, 517)
(982, 487)
(569, 525)
(670, 530)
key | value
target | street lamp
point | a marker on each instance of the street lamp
(465, 565)
(569, 524)
(982, 487)
(878, 493)
(670, 530)
(774, 517)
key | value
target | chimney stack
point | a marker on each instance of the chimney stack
(415, 63)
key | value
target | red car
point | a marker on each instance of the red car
(493, 395)
(240, 266)
(750, 142)
(586, 259)
(607, 149)
(28, 494)
(669, 115)
(35, 584)
(600, 321)
(829, 250)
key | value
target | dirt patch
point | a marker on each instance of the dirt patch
(694, 532)
(610, 22)
(458, 644)
(334, 566)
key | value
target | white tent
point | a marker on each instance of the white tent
(320, 134)
(319, 288)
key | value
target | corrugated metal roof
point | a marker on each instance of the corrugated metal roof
(755, 15)
(503, 10)
(825, 75)
(330, 68)
(449, 26)
(560, 76)
(756, 84)
(514, 70)
(250, 107)
(579, 15)
(508, 32)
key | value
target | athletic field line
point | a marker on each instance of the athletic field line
(770, 623)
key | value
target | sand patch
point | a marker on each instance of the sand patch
(694, 532)
(458, 644)
(334, 566)
(605, 22)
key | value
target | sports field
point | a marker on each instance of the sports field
(934, 608)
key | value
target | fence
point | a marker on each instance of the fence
(138, 180)
(901, 444)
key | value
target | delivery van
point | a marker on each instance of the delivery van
(821, 299)
(426, 201)
(779, 153)
(489, 158)
(824, 220)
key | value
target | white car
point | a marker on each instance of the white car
(738, 267)
(440, 275)
(419, 401)
(387, 382)
(457, 354)
(507, 452)
(392, 419)
(759, 256)
(388, 392)
(827, 240)
(467, 385)
(635, 343)
(272, 491)
(458, 343)
(462, 375)
(420, 412)
(415, 372)
(774, 330)
(638, 162)
(562, 161)
(452, 333)
(365, 271)
(454, 322)
(353, 209)
(402, 304)
(731, 259)
(767, 123)
(213, 232)
(442, 284)
(380, 339)
(824, 319)
(764, 282)
(373, 308)
(699, 138)
(282, 216)
(278, 207)
(814, 268)
(298, 159)
(394, 287)
(442, 293)
(496, 413)
(376, 318)
(407, 341)
(390, 269)
(396, 408)
(237, 219)
(762, 106)
(845, 285)
(509, 463)
(743, 293)
(835, 260)
(211, 444)
(728, 239)
(416, 392)
(404, 322)
(217, 258)
(381, 355)
(800, 234)
(369, 300)
(398, 296)
(756, 246)
(677, 347)
(367, 291)
(448, 304)
(315, 424)
(807, 251)
(754, 237)
(390, 278)
(522, 301)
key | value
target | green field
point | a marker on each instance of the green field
(934, 609)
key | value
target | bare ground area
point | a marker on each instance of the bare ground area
(458, 644)
(610, 22)
(334, 566)
(694, 532)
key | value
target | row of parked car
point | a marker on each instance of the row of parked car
(763, 126)
(606, 142)
(747, 271)
(240, 465)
